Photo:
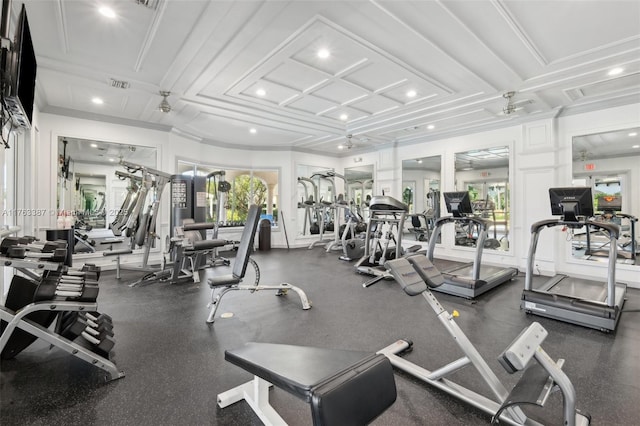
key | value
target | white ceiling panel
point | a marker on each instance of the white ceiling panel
(311, 104)
(376, 105)
(340, 92)
(238, 132)
(296, 76)
(460, 57)
(565, 29)
(376, 76)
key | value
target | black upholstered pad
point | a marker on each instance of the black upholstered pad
(426, 270)
(356, 396)
(227, 279)
(208, 244)
(406, 275)
(296, 369)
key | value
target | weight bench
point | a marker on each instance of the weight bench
(343, 387)
(223, 284)
(190, 251)
(117, 253)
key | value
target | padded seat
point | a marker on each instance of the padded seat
(208, 244)
(227, 279)
(343, 387)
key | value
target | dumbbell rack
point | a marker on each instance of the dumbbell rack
(17, 320)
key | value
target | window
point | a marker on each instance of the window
(230, 192)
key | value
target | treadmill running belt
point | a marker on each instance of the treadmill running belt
(581, 289)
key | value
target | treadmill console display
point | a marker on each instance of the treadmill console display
(571, 202)
(458, 203)
(611, 203)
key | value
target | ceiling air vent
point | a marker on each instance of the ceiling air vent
(119, 84)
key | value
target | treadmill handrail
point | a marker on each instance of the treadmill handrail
(629, 217)
(611, 228)
(482, 236)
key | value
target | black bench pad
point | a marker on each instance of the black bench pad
(343, 387)
(116, 252)
(208, 244)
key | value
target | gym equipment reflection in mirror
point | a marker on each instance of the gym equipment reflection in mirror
(608, 163)
(484, 173)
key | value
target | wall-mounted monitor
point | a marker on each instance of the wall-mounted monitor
(571, 202)
(21, 73)
(458, 203)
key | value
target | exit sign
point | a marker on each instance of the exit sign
(589, 166)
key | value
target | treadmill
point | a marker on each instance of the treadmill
(470, 279)
(588, 303)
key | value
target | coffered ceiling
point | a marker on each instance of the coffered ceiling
(393, 71)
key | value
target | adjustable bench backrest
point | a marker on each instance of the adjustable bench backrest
(246, 241)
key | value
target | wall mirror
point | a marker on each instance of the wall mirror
(88, 188)
(609, 163)
(421, 192)
(317, 188)
(484, 173)
(359, 188)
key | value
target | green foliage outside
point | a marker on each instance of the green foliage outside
(240, 197)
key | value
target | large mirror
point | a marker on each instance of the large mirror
(318, 188)
(609, 163)
(484, 174)
(89, 193)
(421, 192)
(359, 189)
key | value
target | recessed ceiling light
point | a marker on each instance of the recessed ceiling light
(633, 134)
(253, 131)
(323, 53)
(635, 146)
(261, 92)
(431, 127)
(411, 94)
(97, 101)
(107, 12)
(112, 160)
(343, 117)
(419, 160)
(94, 145)
(616, 71)
(340, 146)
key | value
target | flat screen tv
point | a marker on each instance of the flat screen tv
(571, 202)
(458, 203)
(22, 72)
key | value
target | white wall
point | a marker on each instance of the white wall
(540, 159)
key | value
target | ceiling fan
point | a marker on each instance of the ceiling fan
(349, 142)
(513, 108)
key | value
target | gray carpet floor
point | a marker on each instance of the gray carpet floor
(174, 362)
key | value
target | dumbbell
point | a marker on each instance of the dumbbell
(91, 269)
(57, 255)
(101, 346)
(83, 291)
(75, 325)
(102, 322)
(55, 251)
(97, 317)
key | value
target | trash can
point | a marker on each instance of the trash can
(264, 235)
